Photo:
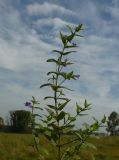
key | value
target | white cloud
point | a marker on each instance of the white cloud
(114, 11)
(20, 46)
(97, 63)
(47, 9)
(16, 55)
(56, 23)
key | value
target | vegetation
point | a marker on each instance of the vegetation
(20, 147)
(20, 120)
(55, 136)
(58, 121)
(113, 123)
(1, 123)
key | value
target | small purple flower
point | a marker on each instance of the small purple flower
(65, 61)
(74, 44)
(64, 65)
(28, 104)
(77, 76)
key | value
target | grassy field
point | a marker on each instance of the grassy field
(20, 147)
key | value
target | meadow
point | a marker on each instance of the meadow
(20, 147)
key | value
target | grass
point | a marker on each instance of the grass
(107, 148)
(20, 147)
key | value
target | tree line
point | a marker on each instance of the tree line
(19, 121)
(113, 123)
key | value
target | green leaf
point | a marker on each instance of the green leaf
(61, 115)
(95, 126)
(78, 108)
(54, 87)
(34, 101)
(71, 118)
(86, 105)
(60, 52)
(69, 63)
(63, 38)
(47, 134)
(49, 118)
(51, 123)
(104, 119)
(70, 37)
(52, 72)
(56, 127)
(50, 111)
(78, 35)
(44, 85)
(66, 99)
(79, 27)
(51, 106)
(68, 128)
(78, 135)
(62, 105)
(63, 74)
(48, 97)
(36, 115)
(54, 136)
(41, 126)
(61, 92)
(71, 46)
(52, 60)
(65, 88)
(66, 53)
(63, 63)
(33, 98)
(90, 145)
(69, 75)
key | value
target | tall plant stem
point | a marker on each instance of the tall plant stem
(56, 105)
(59, 149)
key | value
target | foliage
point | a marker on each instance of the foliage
(19, 147)
(1, 123)
(113, 123)
(36, 129)
(59, 122)
(20, 120)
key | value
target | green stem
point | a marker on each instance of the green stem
(55, 98)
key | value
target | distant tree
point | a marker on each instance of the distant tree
(1, 123)
(20, 120)
(113, 123)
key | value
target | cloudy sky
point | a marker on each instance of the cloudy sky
(29, 31)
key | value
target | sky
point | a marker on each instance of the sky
(29, 31)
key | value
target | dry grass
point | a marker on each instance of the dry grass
(20, 147)
(107, 148)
